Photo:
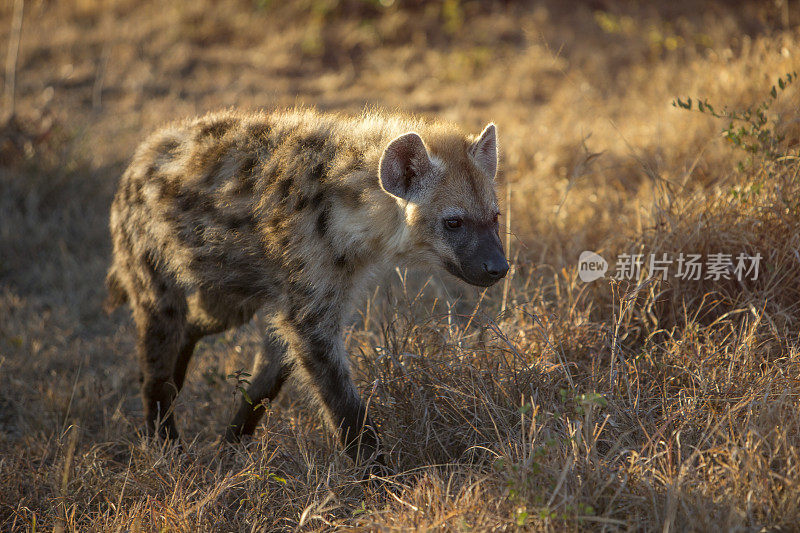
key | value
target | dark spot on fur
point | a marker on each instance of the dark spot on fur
(340, 261)
(133, 193)
(211, 161)
(248, 165)
(314, 142)
(322, 223)
(163, 285)
(169, 188)
(302, 202)
(284, 187)
(258, 130)
(156, 334)
(355, 161)
(275, 220)
(350, 197)
(187, 234)
(217, 129)
(317, 199)
(318, 172)
(168, 147)
(315, 316)
(189, 200)
(243, 186)
(240, 221)
(125, 192)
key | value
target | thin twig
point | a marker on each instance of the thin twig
(11, 60)
(99, 80)
(507, 282)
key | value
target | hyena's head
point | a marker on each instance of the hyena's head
(448, 191)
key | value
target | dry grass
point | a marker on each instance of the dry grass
(546, 404)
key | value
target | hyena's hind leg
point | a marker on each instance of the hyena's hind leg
(159, 310)
(271, 368)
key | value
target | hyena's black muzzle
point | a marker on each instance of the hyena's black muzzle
(481, 260)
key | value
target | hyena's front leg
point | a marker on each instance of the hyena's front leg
(323, 360)
(270, 370)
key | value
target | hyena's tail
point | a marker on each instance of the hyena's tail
(116, 292)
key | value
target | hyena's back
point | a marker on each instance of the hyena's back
(228, 203)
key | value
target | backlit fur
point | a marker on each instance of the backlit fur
(223, 215)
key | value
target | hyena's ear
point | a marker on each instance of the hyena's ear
(484, 150)
(404, 166)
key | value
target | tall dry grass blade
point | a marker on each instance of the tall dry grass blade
(507, 281)
(12, 56)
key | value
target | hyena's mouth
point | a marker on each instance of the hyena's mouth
(456, 270)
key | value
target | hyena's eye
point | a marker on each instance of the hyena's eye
(494, 218)
(453, 223)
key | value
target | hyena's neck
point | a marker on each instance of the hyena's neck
(322, 205)
(377, 230)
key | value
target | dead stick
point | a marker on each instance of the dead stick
(507, 283)
(11, 59)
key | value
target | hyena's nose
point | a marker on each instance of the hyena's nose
(496, 268)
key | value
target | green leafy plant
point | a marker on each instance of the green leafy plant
(581, 402)
(752, 129)
(241, 377)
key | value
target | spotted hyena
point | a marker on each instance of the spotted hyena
(292, 213)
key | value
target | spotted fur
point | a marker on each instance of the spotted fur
(293, 213)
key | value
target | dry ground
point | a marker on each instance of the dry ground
(545, 403)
